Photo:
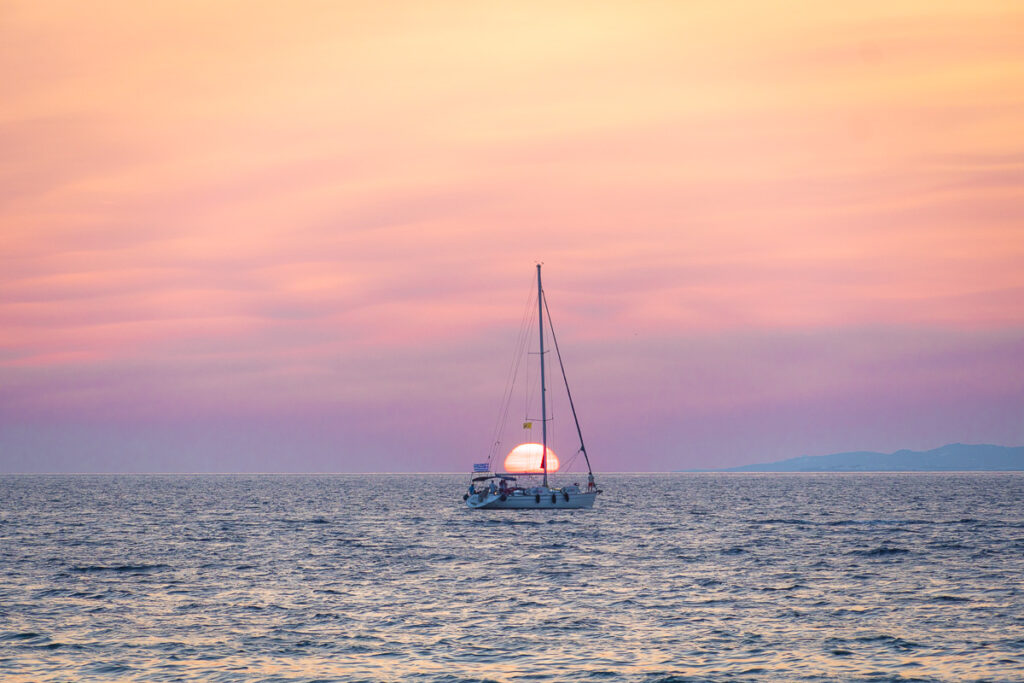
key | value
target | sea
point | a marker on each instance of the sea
(385, 577)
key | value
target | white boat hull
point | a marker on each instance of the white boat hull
(550, 501)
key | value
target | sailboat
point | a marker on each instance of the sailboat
(527, 478)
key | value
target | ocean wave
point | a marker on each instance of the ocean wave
(300, 579)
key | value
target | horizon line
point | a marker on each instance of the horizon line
(691, 471)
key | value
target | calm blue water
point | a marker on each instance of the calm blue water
(386, 578)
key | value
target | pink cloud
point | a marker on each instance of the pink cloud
(330, 217)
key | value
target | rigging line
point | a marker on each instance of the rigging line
(522, 354)
(568, 465)
(527, 383)
(568, 393)
(525, 326)
(531, 386)
(502, 407)
(510, 385)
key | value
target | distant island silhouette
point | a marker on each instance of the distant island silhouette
(956, 457)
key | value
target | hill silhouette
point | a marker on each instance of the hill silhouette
(956, 457)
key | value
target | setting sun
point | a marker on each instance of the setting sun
(525, 459)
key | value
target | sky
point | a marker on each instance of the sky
(298, 237)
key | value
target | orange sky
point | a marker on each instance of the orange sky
(224, 212)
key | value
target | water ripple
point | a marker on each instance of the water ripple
(319, 578)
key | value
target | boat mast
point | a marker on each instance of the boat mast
(543, 387)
